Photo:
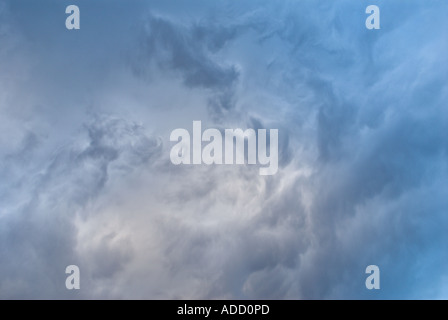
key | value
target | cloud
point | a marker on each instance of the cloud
(363, 155)
(39, 235)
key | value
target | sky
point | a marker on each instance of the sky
(85, 170)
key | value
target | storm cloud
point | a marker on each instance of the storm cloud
(84, 150)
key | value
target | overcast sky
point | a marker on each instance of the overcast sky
(86, 177)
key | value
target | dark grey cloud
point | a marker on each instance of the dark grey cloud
(175, 47)
(190, 52)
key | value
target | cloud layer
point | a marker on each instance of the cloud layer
(84, 150)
